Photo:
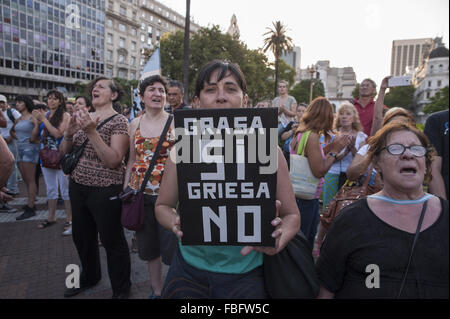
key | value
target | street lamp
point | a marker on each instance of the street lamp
(311, 69)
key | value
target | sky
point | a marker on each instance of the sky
(355, 33)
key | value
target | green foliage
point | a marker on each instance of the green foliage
(439, 102)
(126, 87)
(302, 89)
(401, 96)
(209, 44)
(355, 92)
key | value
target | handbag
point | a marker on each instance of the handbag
(303, 180)
(70, 160)
(132, 217)
(347, 194)
(49, 157)
(291, 273)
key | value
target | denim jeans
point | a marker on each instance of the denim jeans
(309, 213)
(185, 281)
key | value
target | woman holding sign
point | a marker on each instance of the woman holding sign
(222, 271)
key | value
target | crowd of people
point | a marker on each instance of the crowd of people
(361, 140)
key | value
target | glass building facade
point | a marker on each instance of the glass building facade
(46, 44)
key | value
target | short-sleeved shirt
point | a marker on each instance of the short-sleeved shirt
(283, 118)
(90, 170)
(436, 129)
(358, 240)
(344, 163)
(5, 130)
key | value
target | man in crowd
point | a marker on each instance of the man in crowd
(175, 95)
(286, 105)
(365, 104)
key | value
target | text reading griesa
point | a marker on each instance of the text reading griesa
(228, 308)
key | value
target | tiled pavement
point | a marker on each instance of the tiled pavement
(33, 261)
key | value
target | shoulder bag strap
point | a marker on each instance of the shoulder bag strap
(98, 128)
(419, 225)
(302, 145)
(156, 153)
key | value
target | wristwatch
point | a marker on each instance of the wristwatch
(333, 154)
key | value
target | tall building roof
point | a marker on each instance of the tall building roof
(439, 52)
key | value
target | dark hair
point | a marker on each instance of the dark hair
(204, 76)
(175, 83)
(58, 116)
(150, 81)
(87, 100)
(27, 100)
(113, 85)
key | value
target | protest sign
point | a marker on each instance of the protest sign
(227, 174)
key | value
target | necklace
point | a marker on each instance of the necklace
(424, 198)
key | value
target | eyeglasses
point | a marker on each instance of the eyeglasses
(399, 149)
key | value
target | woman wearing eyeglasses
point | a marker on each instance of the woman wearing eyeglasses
(370, 244)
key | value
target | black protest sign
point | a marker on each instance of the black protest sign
(227, 175)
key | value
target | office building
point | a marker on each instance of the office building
(48, 44)
(406, 55)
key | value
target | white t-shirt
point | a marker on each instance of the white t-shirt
(345, 162)
(5, 130)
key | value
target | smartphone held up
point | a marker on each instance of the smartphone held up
(399, 81)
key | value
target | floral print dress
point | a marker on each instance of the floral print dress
(145, 149)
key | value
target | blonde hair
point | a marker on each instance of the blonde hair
(398, 112)
(347, 106)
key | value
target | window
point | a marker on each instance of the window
(109, 38)
(121, 58)
(429, 83)
(109, 72)
(123, 11)
(133, 61)
(110, 5)
(110, 54)
(134, 15)
(428, 95)
(122, 27)
(110, 23)
(133, 45)
(122, 42)
(133, 31)
(439, 83)
(142, 38)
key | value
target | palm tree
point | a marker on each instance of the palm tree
(278, 42)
